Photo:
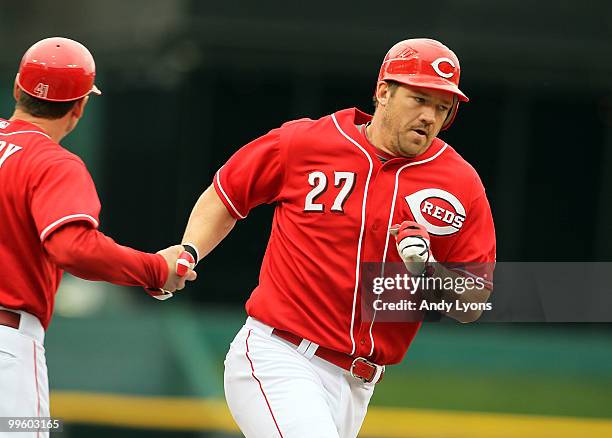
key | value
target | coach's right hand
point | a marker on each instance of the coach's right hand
(175, 282)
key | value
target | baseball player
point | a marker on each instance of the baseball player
(306, 362)
(49, 218)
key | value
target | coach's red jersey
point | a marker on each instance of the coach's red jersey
(335, 201)
(42, 187)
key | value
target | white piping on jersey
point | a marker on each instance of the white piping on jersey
(225, 195)
(67, 218)
(395, 187)
(363, 214)
(25, 132)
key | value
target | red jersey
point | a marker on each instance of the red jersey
(42, 187)
(335, 202)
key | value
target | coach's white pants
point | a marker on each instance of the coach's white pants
(274, 391)
(24, 387)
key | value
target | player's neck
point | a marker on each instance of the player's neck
(56, 128)
(373, 134)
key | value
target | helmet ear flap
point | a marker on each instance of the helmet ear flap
(451, 115)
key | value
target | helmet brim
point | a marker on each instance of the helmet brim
(429, 82)
(94, 90)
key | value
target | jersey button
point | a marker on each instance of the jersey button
(362, 342)
(375, 226)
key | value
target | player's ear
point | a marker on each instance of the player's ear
(79, 107)
(383, 93)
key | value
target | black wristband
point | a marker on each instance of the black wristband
(191, 250)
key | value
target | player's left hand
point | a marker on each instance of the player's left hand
(412, 240)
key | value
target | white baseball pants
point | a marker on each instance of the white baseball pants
(24, 386)
(273, 390)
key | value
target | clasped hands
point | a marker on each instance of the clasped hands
(180, 270)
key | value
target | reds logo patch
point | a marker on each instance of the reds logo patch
(438, 210)
(436, 67)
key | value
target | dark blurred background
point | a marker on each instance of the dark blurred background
(186, 83)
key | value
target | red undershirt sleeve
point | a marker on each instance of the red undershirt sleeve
(87, 253)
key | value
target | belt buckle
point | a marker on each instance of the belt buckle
(367, 362)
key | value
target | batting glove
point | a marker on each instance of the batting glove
(412, 241)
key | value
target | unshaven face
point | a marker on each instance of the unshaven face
(412, 118)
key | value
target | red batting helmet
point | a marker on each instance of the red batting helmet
(57, 69)
(425, 63)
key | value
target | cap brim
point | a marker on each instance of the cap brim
(95, 90)
(431, 83)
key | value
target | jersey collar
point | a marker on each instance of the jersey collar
(350, 119)
(22, 125)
